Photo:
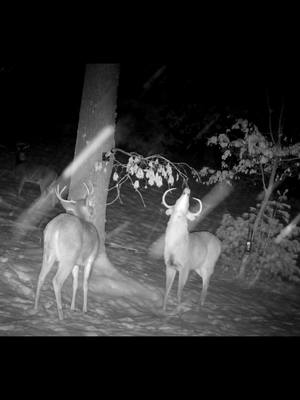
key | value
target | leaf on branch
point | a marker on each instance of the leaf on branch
(212, 140)
(158, 180)
(140, 173)
(226, 154)
(264, 160)
(171, 180)
(223, 140)
(238, 143)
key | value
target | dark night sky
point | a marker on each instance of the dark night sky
(37, 94)
(44, 90)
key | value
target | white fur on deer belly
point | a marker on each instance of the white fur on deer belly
(173, 261)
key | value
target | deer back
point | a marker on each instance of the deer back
(71, 238)
(204, 250)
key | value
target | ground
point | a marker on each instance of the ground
(231, 308)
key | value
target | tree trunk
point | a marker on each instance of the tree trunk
(98, 107)
(98, 110)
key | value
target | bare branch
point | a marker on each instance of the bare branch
(139, 166)
(280, 122)
(270, 116)
(137, 190)
(263, 176)
(116, 198)
(175, 166)
(118, 186)
(291, 159)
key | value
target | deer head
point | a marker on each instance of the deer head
(181, 208)
(80, 208)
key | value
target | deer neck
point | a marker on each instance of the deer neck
(177, 231)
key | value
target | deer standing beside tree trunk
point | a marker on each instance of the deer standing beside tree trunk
(71, 240)
(184, 251)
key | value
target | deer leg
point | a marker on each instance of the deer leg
(86, 275)
(20, 188)
(58, 281)
(205, 284)
(204, 290)
(183, 276)
(75, 285)
(170, 275)
(48, 261)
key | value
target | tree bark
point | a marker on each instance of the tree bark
(98, 108)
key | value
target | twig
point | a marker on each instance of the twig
(280, 122)
(117, 186)
(175, 166)
(263, 177)
(291, 159)
(137, 190)
(270, 117)
(116, 198)
(143, 163)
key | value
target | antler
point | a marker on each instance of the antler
(59, 193)
(89, 193)
(200, 207)
(164, 196)
(80, 207)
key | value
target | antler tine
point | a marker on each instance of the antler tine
(59, 193)
(92, 189)
(164, 197)
(87, 189)
(200, 207)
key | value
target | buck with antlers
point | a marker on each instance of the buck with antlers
(71, 240)
(184, 251)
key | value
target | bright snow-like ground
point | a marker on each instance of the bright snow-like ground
(230, 309)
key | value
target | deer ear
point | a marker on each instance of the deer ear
(169, 211)
(190, 216)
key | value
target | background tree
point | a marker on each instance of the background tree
(98, 110)
(269, 158)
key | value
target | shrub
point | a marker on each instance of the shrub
(267, 259)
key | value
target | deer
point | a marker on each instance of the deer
(71, 240)
(185, 251)
(27, 171)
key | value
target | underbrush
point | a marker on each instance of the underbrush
(268, 261)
